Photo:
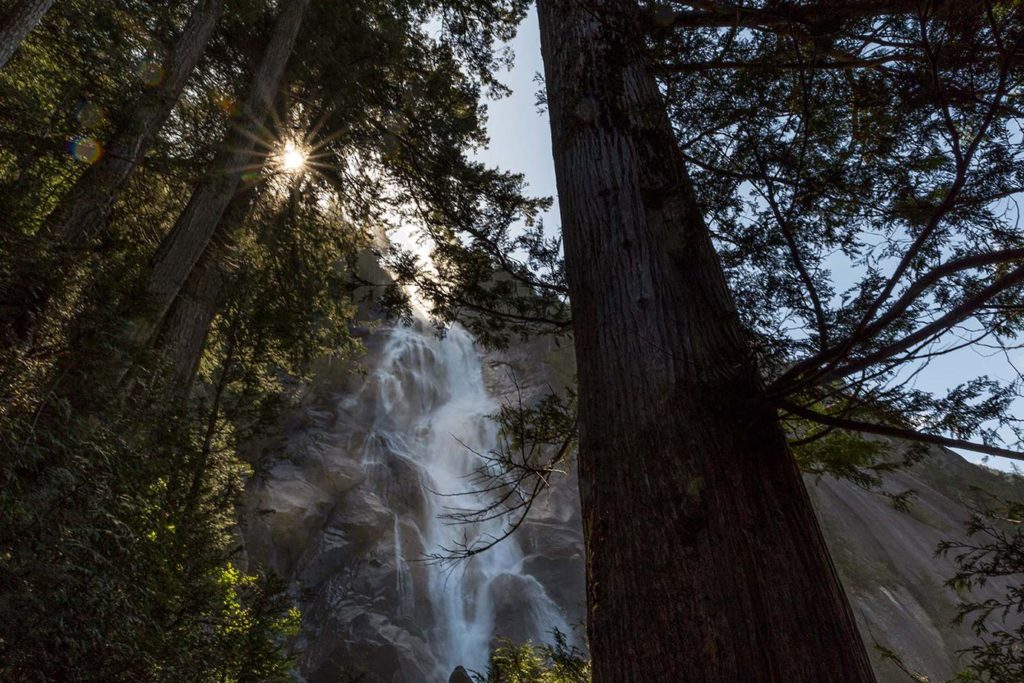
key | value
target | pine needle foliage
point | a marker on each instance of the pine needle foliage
(125, 455)
(530, 662)
(993, 554)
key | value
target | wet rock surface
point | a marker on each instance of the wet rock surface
(346, 506)
(340, 507)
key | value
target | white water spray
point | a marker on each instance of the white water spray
(432, 414)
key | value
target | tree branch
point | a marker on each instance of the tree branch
(896, 432)
(837, 64)
(936, 328)
(726, 15)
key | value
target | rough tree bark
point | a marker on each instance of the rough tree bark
(86, 206)
(18, 23)
(184, 245)
(704, 558)
(188, 321)
(182, 337)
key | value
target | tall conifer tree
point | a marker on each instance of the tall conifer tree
(704, 557)
(18, 23)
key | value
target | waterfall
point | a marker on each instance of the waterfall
(431, 417)
(403, 577)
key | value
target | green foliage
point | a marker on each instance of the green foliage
(852, 456)
(841, 454)
(857, 196)
(254, 606)
(120, 476)
(994, 553)
(533, 663)
(62, 85)
(108, 573)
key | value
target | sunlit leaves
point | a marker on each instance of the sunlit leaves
(536, 663)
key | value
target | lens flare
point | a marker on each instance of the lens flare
(150, 72)
(225, 103)
(292, 158)
(85, 149)
(89, 114)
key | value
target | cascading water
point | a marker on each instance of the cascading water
(341, 507)
(432, 419)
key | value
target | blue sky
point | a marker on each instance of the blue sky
(520, 137)
(521, 142)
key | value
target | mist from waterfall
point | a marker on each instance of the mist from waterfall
(432, 414)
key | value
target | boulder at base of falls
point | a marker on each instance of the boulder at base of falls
(459, 676)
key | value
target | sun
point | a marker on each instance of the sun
(292, 158)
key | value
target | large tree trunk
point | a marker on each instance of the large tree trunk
(704, 558)
(19, 22)
(184, 245)
(188, 321)
(86, 206)
(182, 337)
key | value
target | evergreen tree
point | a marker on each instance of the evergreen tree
(84, 207)
(717, 165)
(17, 23)
(687, 484)
(184, 245)
(994, 551)
(119, 559)
(532, 663)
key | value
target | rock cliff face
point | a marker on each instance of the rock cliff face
(887, 560)
(355, 495)
(349, 501)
